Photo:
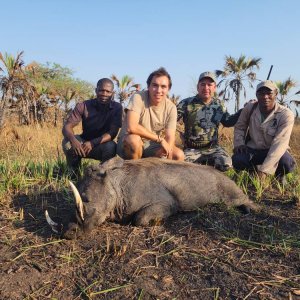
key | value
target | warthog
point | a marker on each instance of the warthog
(147, 190)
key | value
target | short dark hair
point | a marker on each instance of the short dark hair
(158, 73)
(105, 80)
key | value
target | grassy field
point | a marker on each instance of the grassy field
(212, 253)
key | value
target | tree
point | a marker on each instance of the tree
(126, 87)
(57, 88)
(285, 93)
(235, 73)
(13, 82)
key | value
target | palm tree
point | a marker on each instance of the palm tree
(126, 87)
(13, 82)
(235, 72)
(174, 98)
(284, 93)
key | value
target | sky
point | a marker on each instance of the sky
(99, 38)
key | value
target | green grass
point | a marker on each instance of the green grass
(251, 184)
(17, 176)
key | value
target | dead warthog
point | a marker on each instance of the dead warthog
(147, 190)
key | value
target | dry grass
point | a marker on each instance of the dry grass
(38, 143)
(34, 143)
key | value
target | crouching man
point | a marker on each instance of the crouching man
(269, 126)
(101, 120)
(150, 123)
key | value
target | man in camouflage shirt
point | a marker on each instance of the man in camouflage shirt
(202, 115)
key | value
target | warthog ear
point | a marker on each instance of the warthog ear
(114, 163)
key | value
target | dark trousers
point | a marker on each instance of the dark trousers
(101, 152)
(249, 160)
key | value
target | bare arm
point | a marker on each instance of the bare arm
(134, 127)
(170, 139)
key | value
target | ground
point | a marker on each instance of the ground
(213, 253)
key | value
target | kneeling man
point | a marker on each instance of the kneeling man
(269, 126)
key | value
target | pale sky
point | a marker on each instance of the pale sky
(135, 37)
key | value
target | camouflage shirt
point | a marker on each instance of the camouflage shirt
(202, 121)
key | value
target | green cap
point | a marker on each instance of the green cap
(208, 74)
(268, 84)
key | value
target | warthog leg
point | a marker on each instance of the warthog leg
(153, 214)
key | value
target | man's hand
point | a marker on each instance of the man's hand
(77, 147)
(262, 176)
(168, 151)
(87, 147)
(240, 149)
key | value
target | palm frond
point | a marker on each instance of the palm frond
(297, 102)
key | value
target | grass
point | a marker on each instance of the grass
(211, 241)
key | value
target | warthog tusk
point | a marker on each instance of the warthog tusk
(51, 222)
(78, 200)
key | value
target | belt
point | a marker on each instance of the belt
(199, 145)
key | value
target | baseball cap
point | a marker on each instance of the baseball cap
(208, 74)
(268, 84)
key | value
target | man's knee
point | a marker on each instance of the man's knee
(132, 140)
(178, 154)
(132, 146)
(107, 151)
(286, 164)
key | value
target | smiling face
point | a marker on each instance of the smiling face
(266, 99)
(206, 89)
(158, 89)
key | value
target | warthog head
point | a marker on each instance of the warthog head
(94, 201)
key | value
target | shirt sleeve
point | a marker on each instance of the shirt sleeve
(241, 126)
(136, 104)
(76, 115)
(280, 143)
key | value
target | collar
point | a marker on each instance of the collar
(197, 99)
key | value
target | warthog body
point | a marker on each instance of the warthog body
(150, 189)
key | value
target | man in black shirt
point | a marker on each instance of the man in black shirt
(101, 120)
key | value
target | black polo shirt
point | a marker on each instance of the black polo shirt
(97, 119)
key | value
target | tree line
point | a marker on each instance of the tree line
(39, 93)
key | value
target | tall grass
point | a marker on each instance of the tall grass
(31, 155)
(20, 175)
